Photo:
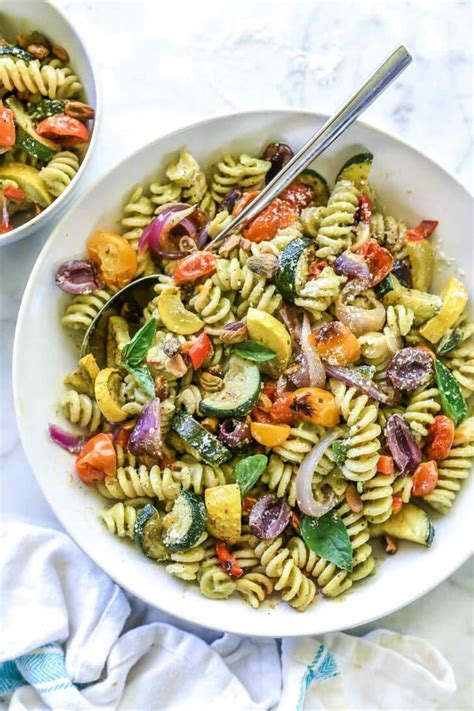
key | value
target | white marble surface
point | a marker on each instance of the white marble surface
(164, 65)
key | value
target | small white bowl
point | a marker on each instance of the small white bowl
(411, 186)
(21, 17)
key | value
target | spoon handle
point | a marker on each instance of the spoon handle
(388, 71)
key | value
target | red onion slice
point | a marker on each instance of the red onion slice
(78, 277)
(403, 448)
(269, 517)
(317, 373)
(359, 320)
(155, 235)
(304, 479)
(5, 213)
(353, 266)
(356, 379)
(146, 435)
(67, 440)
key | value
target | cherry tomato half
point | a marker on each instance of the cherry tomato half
(297, 195)
(68, 131)
(422, 231)
(97, 459)
(193, 267)
(378, 259)
(440, 438)
(424, 479)
(116, 259)
(7, 128)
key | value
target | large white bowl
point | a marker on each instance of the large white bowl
(413, 187)
(20, 17)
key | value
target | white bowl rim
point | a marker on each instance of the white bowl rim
(458, 557)
(25, 230)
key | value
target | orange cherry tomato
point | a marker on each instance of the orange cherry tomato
(385, 465)
(315, 405)
(116, 259)
(397, 503)
(335, 343)
(440, 438)
(97, 459)
(424, 479)
(7, 129)
(193, 267)
(422, 231)
(200, 350)
(378, 259)
(281, 411)
(269, 435)
(245, 200)
(14, 193)
(121, 437)
(68, 131)
(297, 195)
(274, 217)
(228, 562)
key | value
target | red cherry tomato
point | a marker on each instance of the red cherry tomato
(200, 350)
(397, 503)
(297, 195)
(228, 562)
(275, 216)
(281, 411)
(97, 459)
(424, 479)
(68, 131)
(378, 259)
(193, 267)
(365, 209)
(422, 231)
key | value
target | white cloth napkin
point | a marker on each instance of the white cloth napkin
(70, 639)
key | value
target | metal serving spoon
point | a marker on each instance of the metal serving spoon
(375, 85)
(137, 294)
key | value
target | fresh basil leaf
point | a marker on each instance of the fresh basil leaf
(327, 537)
(248, 471)
(340, 448)
(453, 403)
(134, 352)
(251, 350)
(143, 376)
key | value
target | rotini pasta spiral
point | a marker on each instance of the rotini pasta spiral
(209, 303)
(59, 172)
(311, 220)
(400, 319)
(133, 482)
(378, 497)
(333, 581)
(186, 564)
(302, 439)
(248, 172)
(421, 410)
(83, 310)
(451, 472)
(296, 589)
(218, 223)
(378, 348)
(254, 587)
(389, 232)
(257, 293)
(81, 410)
(138, 213)
(47, 80)
(364, 430)
(337, 221)
(120, 518)
(280, 476)
(317, 295)
(229, 274)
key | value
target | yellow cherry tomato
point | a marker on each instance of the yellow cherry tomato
(116, 259)
(315, 405)
(269, 435)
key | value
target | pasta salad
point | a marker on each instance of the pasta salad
(275, 406)
(44, 129)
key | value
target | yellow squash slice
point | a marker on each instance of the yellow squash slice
(117, 337)
(175, 316)
(224, 511)
(266, 329)
(455, 298)
(106, 389)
